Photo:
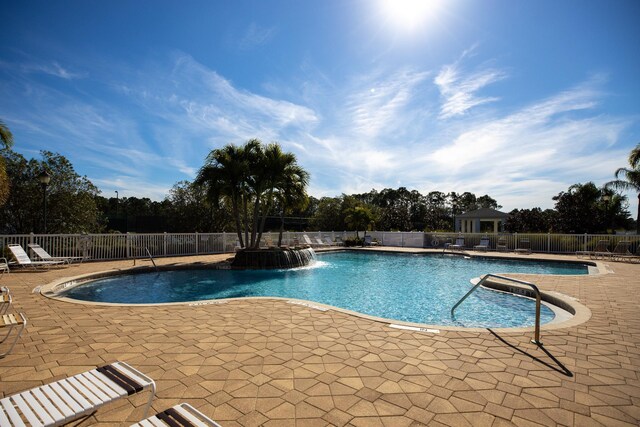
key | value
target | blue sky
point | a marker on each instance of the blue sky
(515, 99)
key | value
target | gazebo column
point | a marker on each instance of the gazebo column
(495, 225)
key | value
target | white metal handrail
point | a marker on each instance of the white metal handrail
(536, 338)
(151, 258)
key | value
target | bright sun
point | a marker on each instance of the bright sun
(409, 14)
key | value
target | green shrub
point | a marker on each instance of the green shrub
(354, 241)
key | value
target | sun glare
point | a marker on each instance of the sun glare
(409, 14)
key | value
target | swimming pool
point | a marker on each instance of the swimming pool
(413, 288)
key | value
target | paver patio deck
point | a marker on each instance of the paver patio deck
(265, 362)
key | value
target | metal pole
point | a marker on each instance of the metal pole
(44, 204)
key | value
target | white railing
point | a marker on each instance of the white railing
(544, 243)
(132, 245)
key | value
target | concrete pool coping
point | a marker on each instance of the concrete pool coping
(569, 312)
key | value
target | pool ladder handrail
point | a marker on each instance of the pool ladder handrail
(536, 339)
(151, 258)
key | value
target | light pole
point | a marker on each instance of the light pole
(606, 199)
(44, 179)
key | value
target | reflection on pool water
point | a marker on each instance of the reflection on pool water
(413, 288)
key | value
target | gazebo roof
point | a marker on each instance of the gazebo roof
(483, 213)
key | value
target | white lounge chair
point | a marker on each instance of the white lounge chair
(368, 241)
(11, 321)
(601, 251)
(459, 245)
(483, 246)
(22, 259)
(524, 247)
(320, 242)
(501, 246)
(71, 398)
(4, 265)
(329, 242)
(44, 255)
(5, 300)
(308, 241)
(181, 415)
(621, 251)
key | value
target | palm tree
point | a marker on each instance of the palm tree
(225, 175)
(359, 217)
(6, 139)
(291, 196)
(628, 179)
(280, 174)
(251, 178)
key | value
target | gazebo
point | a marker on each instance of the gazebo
(472, 221)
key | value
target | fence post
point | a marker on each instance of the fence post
(401, 239)
(585, 243)
(164, 244)
(128, 241)
(515, 244)
(548, 242)
(224, 242)
(197, 248)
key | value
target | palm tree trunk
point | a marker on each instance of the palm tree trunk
(254, 228)
(236, 215)
(281, 227)
(638, 217)
(246, 219)
(264, 216)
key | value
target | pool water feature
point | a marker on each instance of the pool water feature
(413, 288)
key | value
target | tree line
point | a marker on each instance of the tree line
(255, 188)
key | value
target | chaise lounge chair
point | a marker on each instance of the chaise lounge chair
(181, 415)
(4, 265)
(621, 252)
(320, 242)
(5, 300)
(71, 398)
(23, 260)
(309, 242)
(11, 321)
(601, 251)
(524, 247)
(459, 245)
(44, 255)
(369, 241)
(483, 246)
(501, 246)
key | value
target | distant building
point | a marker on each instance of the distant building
(484, 220)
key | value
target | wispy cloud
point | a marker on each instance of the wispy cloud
(255, 36)
(53, 69)
(459, 90)
(366, 131)
(379, 105)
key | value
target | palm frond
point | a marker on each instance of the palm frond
(634, 157)
(6, 137)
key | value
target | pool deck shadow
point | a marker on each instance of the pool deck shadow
(265, 362)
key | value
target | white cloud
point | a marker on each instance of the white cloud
(53, 69)
(256, 35)
(458, 91)
(374, 131)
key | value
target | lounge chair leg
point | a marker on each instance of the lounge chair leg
(18, 335)
(7, 335)
(152, 393)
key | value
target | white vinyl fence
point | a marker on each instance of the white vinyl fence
(132, 245)
(544, 243)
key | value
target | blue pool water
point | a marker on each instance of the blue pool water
(414, 288)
